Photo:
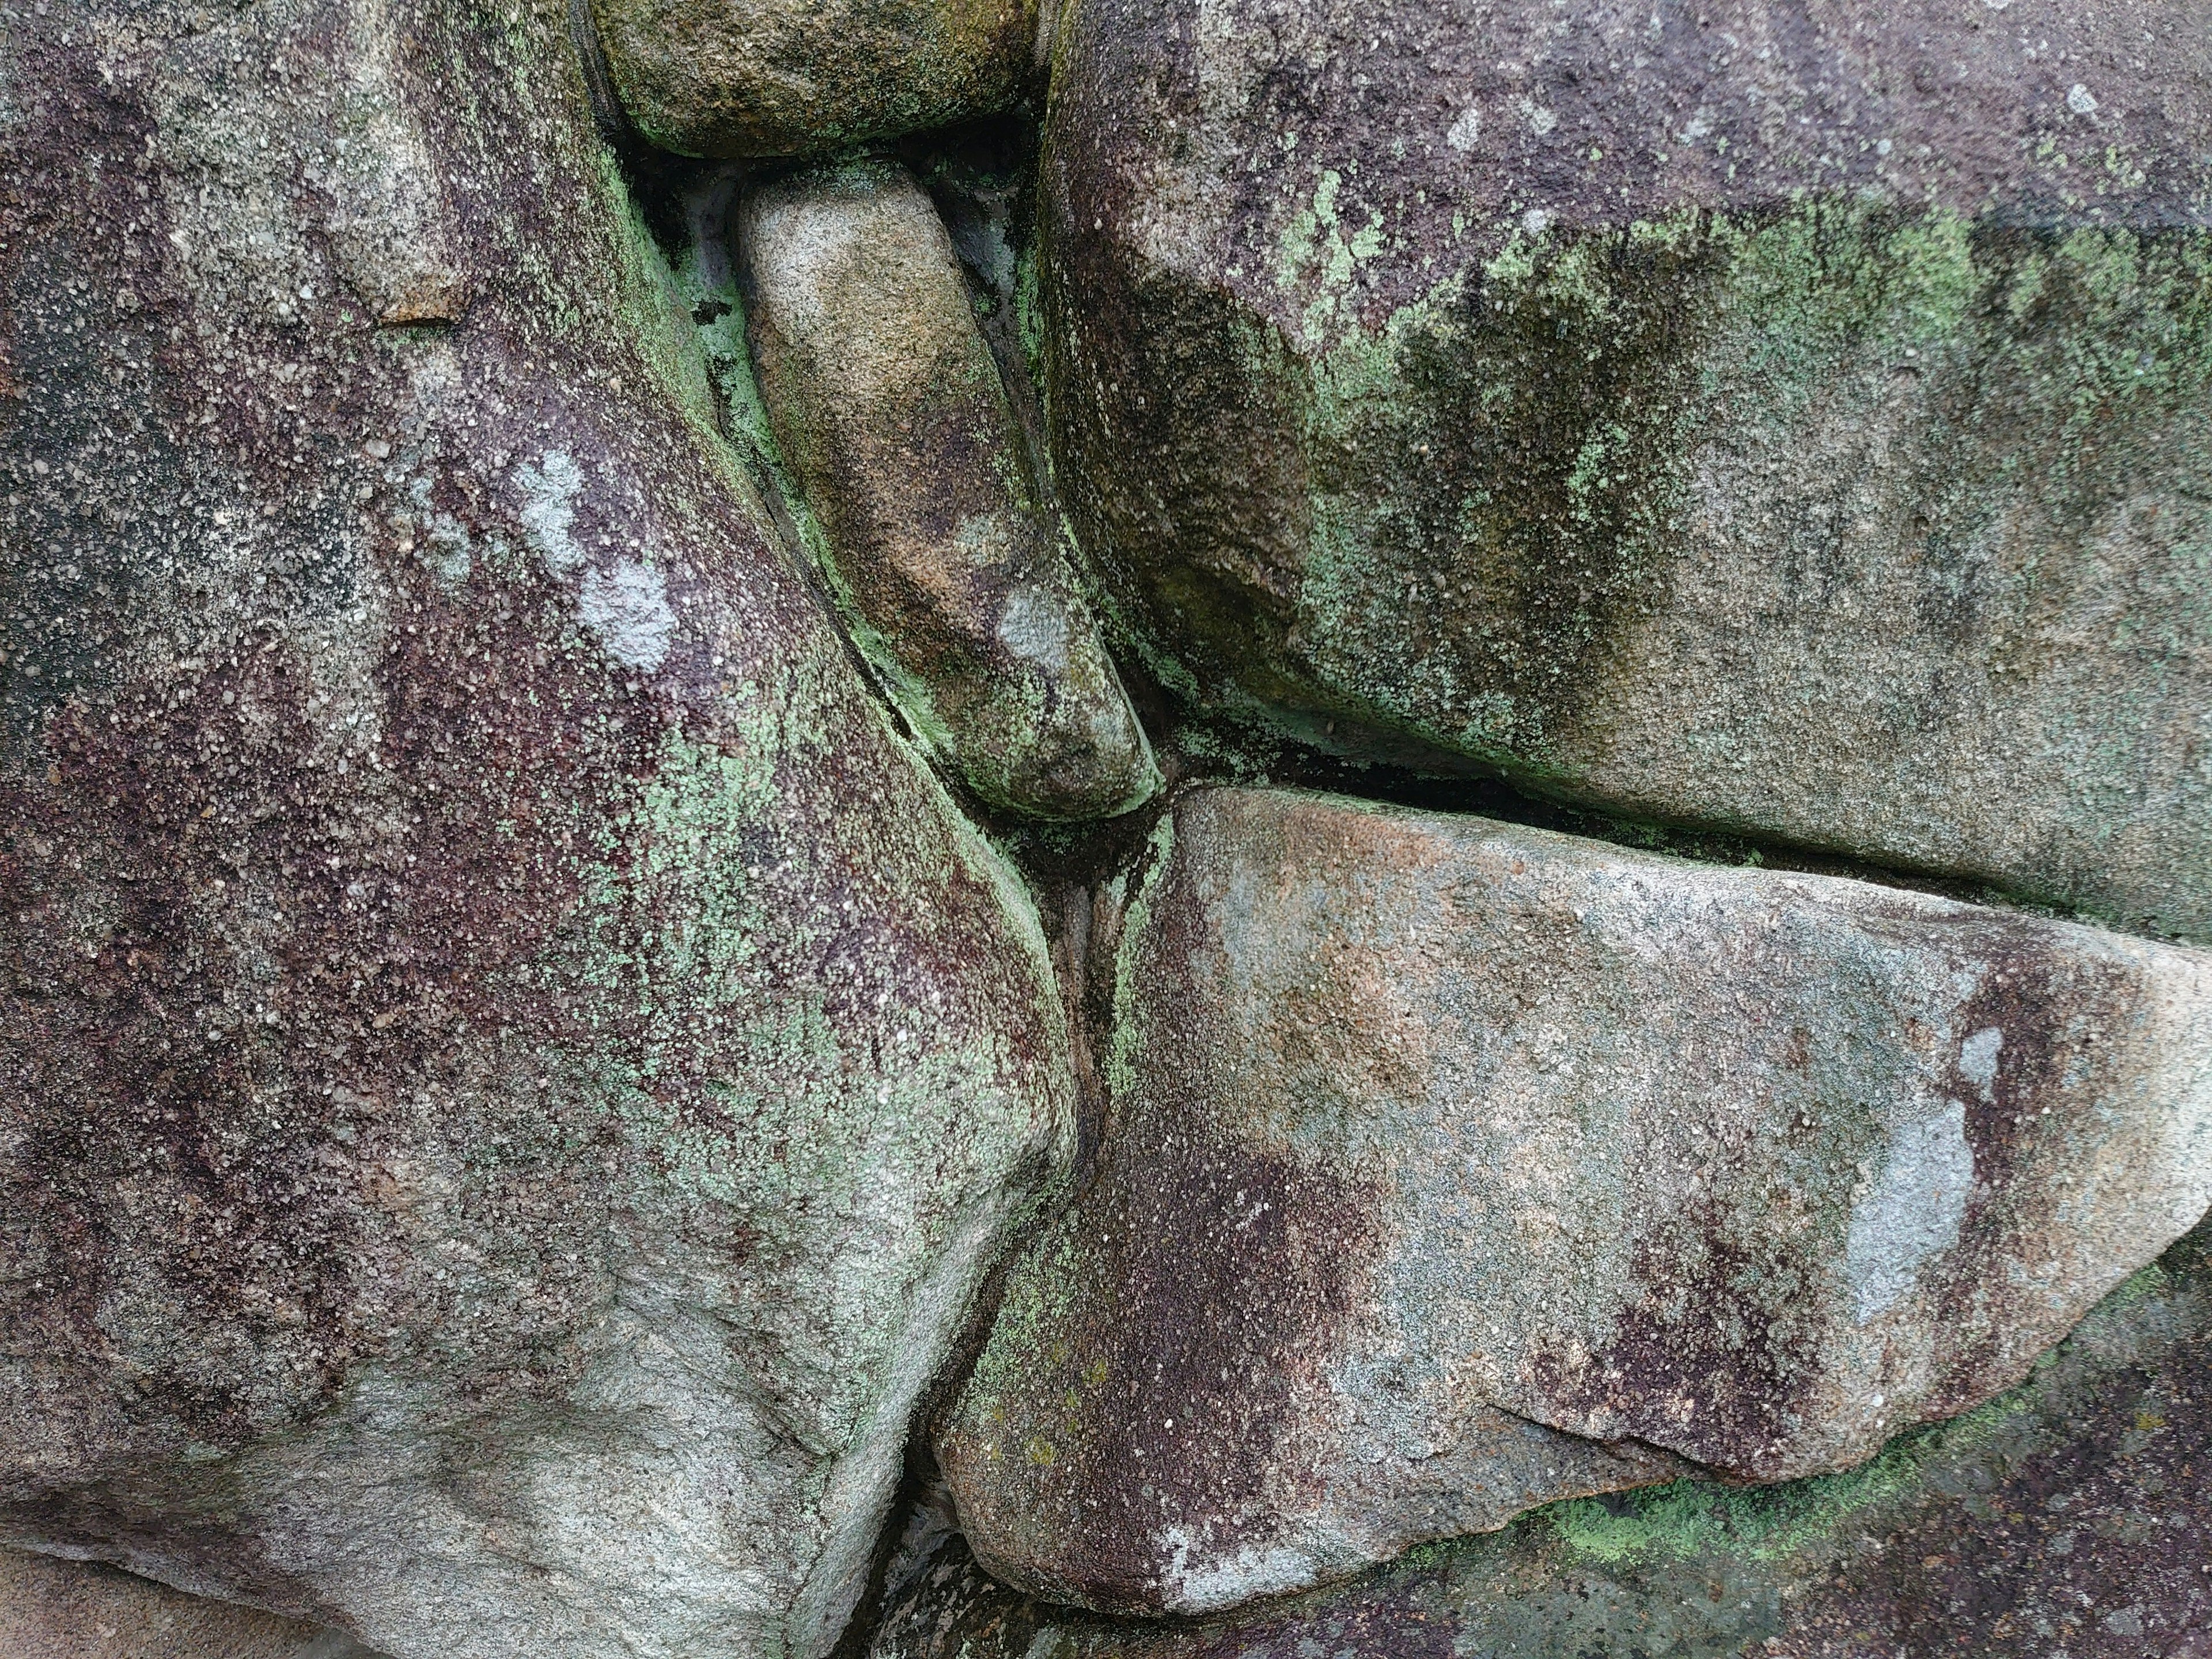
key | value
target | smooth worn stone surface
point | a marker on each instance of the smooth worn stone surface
(890, 415)
(1452, 1166)
(55, 1609)
(511, 1072)
(2071, 1515)
(801, 77)
(1784, 415)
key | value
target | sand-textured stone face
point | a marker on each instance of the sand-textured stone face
(513, 1071)
(1452, 1167)
(1783, 416)
(55, 1609)
(2068, 1515)
(890, 415)
(803, 77)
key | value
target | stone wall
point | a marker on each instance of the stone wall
(882, 827)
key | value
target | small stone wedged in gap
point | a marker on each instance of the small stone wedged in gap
(1518, 389)
(890, 415)
(1456, 1167)
(745, 78)
(56, 1609)
(2069, 1515)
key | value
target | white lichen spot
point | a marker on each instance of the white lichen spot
(550, 487)
(628, 608)
(1539, 119)
(1215, 1581)
(1978, 1061)
(1536, 222)
(1467, 129)
(1033, 626)
(2080, 100)
(1914, 1210)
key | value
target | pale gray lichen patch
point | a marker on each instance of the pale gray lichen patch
(627, 607)
(550, 486)
(1916, 1206)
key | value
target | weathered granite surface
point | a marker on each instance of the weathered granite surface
(2069, 1515)
(510, 1070)
(1451, 1167)
(1783, 416)
(804, 77)
(56, 1609)
(889, 412)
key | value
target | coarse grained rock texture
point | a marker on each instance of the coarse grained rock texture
(56, 1609)
(510, 1070)
(888, 411)
(1450, 1166)
(2069, 1515)
(1785, 416)
(739, 78)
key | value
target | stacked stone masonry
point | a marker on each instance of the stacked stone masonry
(1135, 828)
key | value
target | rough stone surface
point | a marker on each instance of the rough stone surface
(889, 410)
(1451, 1166)
(52, 1609)
(2071, 1516)
(510, 1070)
(1787, 415)
(799, 78)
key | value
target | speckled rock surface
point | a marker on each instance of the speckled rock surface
(1785, 416)
(888, 411)
(1451, 1166)
(2071, 1515)
(54, 1609)
(510, 1071)
(801, 77)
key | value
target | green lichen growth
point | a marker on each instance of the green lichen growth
(1566, 396)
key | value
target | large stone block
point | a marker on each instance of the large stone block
(1451, 1167)
(1777, 415)
(513, 1071)
(888, 411)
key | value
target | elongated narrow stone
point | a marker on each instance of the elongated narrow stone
(1453, 1167)
(891, 416)
(1784, 415)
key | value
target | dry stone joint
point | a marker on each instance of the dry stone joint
(1111, 830)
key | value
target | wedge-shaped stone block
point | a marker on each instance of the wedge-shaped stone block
(1451, 1167)
(801, 77)
(1776, 415)
(890, 411)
